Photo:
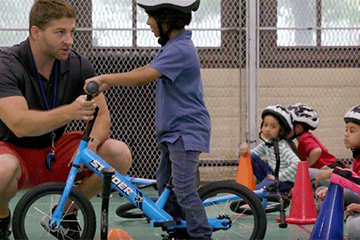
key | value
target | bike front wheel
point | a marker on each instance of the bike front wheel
(37, 204)
(243, 226)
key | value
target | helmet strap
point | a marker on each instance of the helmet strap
(269, 142)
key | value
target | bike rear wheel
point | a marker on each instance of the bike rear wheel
(243, 226)
(39, 202)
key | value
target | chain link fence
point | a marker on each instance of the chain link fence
(309, 52)
(306, 51)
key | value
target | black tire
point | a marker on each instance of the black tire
(243, 226)
(273, 205)
(35, 204)
(128, 210)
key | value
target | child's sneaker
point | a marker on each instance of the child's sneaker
(346, 178)
(69, 227)
(5, 228)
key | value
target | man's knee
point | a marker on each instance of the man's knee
(9, 166)
(122, 151)
(10, 171)
(116, 152)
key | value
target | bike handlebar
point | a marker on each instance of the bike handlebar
(282, 223)
(92, 89)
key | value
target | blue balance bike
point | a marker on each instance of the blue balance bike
(52, 201)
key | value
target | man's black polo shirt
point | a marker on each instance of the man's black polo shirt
(18, 77)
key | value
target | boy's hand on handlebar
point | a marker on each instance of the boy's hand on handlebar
(102, 85)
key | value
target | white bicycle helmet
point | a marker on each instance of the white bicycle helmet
(304, 114)
(281, 113)
(353, 115)
(182, 5)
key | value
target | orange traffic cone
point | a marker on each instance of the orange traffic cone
(302, 208)
(245, 174)
(118, 234)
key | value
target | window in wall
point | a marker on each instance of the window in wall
(14, 21)
(112, 23)
(316, 22)
(115, 24)
(342, 18)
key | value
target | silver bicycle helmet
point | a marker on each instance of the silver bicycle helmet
(182, 5)
(353, 115)
(281, 113)
(302, 113)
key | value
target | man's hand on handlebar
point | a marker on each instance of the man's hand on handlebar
(82, 109)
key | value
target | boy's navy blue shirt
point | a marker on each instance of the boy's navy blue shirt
(180, 108)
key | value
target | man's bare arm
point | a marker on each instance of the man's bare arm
(14, 112)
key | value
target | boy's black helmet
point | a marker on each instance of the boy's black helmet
(185, 6)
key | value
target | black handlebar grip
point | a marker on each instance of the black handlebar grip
(92, 88)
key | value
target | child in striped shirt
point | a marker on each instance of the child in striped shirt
(276, 124)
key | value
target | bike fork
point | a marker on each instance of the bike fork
(58, 213)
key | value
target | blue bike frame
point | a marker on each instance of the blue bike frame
(158, 216)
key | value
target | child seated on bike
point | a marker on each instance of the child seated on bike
(276, 124)
(309, 147)
(351, 198)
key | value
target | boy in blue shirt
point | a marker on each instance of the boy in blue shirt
(182, 122)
